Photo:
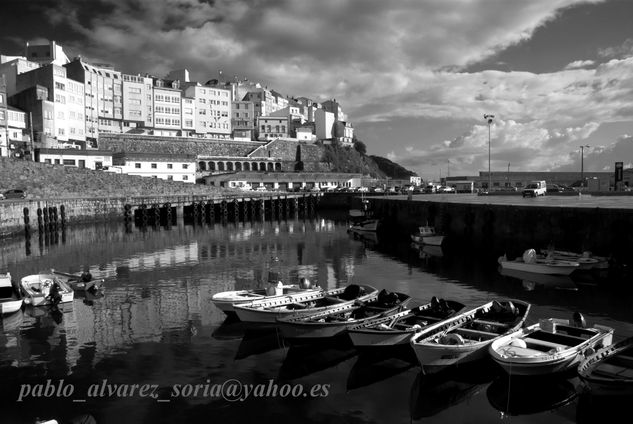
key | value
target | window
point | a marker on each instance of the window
(137, 165)
(170, 166)
(69, 162)
(185, 177)
(154, 166)
(170, 177)
(185, 166)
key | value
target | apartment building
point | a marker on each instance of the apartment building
(188, 116)
(243, 120)
(264, 102)
(272, 127)
(212, 110)
(45, 53)
(67, 96)
(167, 108)
(34, 101)
(102, 97)
(138, 101)
(11, 67)
(324, 125)
(334, 107)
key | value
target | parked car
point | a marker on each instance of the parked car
(14, 194)
(261, 188)
(446, 189)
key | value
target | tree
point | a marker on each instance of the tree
(360, 147)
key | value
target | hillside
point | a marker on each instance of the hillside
(392, 169)
(341, 159)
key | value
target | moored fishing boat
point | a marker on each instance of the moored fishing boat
(465, 337)
(268, 310)
(551, 346)
(45, 289)
(427, 235)
(530, 262)
(334, 321)
(397, 329)
(226, 301)
(610, 369)
(81, 282)
(11, 299)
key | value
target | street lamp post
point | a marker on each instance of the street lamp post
(489, 119)
(582, 164)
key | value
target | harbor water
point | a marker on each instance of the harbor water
(152, 348)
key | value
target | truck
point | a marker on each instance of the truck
(535, 188)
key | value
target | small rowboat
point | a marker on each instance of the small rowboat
(465, 337)
(336, 320)
(362, 225)
(81, 282)
(550, 346)
(11, 299)
(397, 329)
(530, 262)
(39, 290)
(227, 300)
(610, 370)
(427, 235)
(268, 310)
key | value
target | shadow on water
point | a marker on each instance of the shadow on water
(374, 365)
(305, 358)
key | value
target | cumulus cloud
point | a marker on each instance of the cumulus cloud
(577, 64)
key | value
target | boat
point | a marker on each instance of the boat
(226, 301)
(465, 337)
(11, 299)
(530, 262)
(532, 281)
(81, 282)
(610, 369)
(336, 320)
(40, 290)
(427, 235)
(550, 346)
(398, 328)
(586, 260)
(362, 220)
(268, 310)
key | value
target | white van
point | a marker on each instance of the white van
(535, 188)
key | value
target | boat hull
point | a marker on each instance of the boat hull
(225, 301)
(30, 287)
(10, 306)
(377, 338)
(370, 225)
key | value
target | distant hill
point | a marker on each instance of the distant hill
(391, 169)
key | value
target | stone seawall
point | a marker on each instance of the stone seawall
(513, 228)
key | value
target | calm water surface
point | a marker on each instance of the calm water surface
(155, 327)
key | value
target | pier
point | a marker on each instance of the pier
(44, 215)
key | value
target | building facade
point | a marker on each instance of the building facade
(89, 159)
(138, 101)
(212, 111)
(167, 104)
(164, 166)
(272, 127)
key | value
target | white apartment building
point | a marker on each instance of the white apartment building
(138, 101)
(11, 67)
(323, 124)
(167, 108)
(188, 116)
(212, 110)
(164, 166)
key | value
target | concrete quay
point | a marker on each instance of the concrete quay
(511, 224)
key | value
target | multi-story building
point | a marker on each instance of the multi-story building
(102, 97)
(272, 127)
(45, 53)
(243, 120)
(138, 101)
(11, 67)
(167, 104)
(42, 114)
(164, 166)
(334, 107)
(324, 125)
(67, 96)
(212, 110)
(343, 133)
(188, 116)
(264, 102)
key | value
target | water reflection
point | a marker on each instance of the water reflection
(373, 366)
(305, 359)
(531, 281)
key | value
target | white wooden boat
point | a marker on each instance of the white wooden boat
(466, 336)
(551, 346)
(365, 225)
(337, 319)
(586, 260)
(37, 288)
(11, 299)
(81, 282)
(530, 262)
(427, 235)
(268, 310)
(610, 370)
(397, 329)
(226, 301)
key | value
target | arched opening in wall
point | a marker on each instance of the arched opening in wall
(247, 166)
(229, 166)
(211, 166)
(238, 166)
(271, 167)
(277, 166)
(202, 166)
(220, 166)
(262, 166)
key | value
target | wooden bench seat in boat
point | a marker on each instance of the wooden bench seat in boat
(470, 333)
(538, 342)
(560, 338)
(492, 323)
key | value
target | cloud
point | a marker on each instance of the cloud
(623, 50)
(577, 64)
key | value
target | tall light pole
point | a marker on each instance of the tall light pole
(582, 164)
(489, 119)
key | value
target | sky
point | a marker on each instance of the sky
(415, 77)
